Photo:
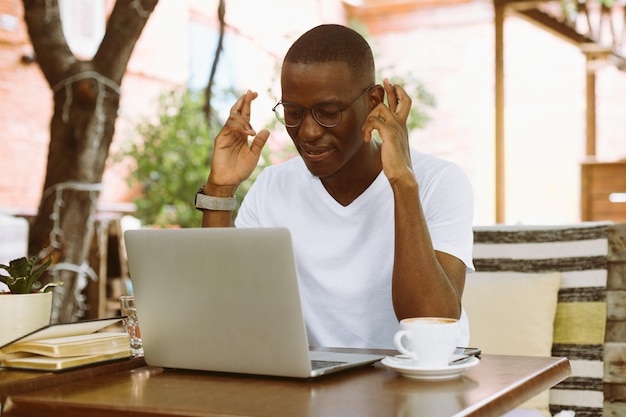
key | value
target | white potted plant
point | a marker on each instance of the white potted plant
(27, 306)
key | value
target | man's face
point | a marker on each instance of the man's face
(326, 151)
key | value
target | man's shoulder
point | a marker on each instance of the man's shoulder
(431, 165)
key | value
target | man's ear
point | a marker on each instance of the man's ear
(376, 95)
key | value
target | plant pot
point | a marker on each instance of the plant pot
(21, 314)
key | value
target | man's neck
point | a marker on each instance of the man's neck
(353, 179)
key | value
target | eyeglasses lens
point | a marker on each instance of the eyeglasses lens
(291, 115)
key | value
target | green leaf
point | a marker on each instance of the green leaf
(22, 279)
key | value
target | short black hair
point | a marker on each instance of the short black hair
(334, 43)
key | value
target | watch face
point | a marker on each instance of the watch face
(195, 202)
(200, 191)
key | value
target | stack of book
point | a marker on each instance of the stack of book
(64, 346)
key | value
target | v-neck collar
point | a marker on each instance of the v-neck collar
(379, 183)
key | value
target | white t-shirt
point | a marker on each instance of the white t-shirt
(344, 255)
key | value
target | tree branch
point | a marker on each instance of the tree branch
(221, 12)
(46, 34)
(123, 30)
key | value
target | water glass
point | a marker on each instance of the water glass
(131, 324)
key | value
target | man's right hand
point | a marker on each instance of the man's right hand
(234, 157)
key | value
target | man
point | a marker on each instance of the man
(381, 232)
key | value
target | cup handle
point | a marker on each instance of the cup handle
(397, 340)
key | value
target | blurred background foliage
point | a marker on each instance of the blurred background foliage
(170, 154)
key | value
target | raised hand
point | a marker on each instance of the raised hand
(390, 121)
(234, 156)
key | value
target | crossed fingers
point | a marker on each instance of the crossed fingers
(239, 118)
(390, 117)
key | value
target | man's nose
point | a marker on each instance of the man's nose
(310, 129)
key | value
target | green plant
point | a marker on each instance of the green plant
(170, 154)
(24, 277)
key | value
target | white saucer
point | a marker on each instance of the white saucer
(407, 368)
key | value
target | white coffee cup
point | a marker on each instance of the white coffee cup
(429, 341)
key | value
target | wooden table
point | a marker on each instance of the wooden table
(15, 381)
(496, 385)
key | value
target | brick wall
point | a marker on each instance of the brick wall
(25, 100)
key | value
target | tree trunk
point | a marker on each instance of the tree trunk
(221, 13)
(86, 101)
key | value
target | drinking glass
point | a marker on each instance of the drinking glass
(131, 324)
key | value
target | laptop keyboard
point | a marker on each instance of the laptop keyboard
(317, 364)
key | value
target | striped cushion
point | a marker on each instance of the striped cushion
(579, 253)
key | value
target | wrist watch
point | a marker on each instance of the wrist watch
(206, 202)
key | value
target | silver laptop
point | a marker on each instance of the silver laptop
(224, 300)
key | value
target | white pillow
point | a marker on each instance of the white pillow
(512, 313)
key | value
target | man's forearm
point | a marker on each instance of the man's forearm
(421, 285)
(217, 218)
(213, 218)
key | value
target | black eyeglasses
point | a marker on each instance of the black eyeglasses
(326, 114)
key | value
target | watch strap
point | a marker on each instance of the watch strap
(206, 202)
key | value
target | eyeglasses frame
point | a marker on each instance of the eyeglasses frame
(310, 109)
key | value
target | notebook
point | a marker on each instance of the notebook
(224, 300)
